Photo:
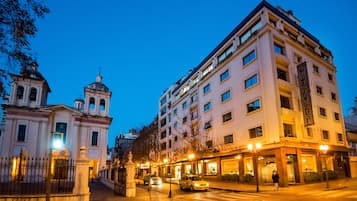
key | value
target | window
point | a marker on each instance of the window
(227, 52)
(309, 132)
(227, 117)
(209, 144)
(206, 89)
(163, 111)
(255, 132)
(288, 130)
(207, 125)
(319, 90)
(94, 138)
(339, 137)
(175, 124)
(184, 105)
(282, 74)
(21, 133)
(337, 116)
(226, 96)
(249, 57)
(207, 70)
(163, 134)
(163, 101)
(251, 81)
(184, 134)
(228, 139)
(315, 69)
(322, 111)
(207, 106)
(170, 130)
(163, 146)
(325, 134)
(184, 120)
(224, 76)
(170, 144)
(251, 31)
(194, 114)
(279, 49)
(333, 96)
(175, 112)
(163, 122)
(102, 104)
(61, 127)
(252, 106)
(20, 92)
(330, 77)
(33, 94)
(175, 138)
(194, 98)
(91, 103)
(285, 102)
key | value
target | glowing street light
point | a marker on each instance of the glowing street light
(323, 149)
(255, 148)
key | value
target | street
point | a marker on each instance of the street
(282, 194)
(309, 192)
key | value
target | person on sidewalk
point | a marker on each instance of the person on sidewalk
(275, 178)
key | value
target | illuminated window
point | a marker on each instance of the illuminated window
(308, 163)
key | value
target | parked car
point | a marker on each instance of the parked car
(193, 182)
(147, 179)
(156, 181)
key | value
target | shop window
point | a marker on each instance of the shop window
(308, 163)
(212, 168)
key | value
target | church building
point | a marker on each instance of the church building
(32, 125)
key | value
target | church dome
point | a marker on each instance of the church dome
(98, 84)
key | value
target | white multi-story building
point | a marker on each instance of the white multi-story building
(31, 125)
(268, 83)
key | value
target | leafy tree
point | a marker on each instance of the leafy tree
(17, 26)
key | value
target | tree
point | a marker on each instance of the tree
(17, 26)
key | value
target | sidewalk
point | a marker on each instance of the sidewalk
(238, 187)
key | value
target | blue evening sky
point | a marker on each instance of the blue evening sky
(143, 47)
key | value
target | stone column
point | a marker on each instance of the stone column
(130, 177)
(82, 172)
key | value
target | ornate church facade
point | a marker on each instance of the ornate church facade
(32, 125)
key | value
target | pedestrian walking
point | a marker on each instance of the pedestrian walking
(275, 178)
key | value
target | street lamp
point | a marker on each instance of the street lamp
(238, 157)
(255, 150)
(56, 143)
(324, 148)
(190, 157)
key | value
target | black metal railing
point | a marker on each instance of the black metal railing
(24, 175)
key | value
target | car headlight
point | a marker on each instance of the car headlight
(197, 185)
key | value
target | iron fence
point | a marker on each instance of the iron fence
(24, 175)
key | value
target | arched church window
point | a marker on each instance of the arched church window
(102, 104)
(20, 92)
(91, 103)
(33, 94)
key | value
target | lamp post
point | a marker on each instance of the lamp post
(255, 150)
(55, 144)
(191, 157)
(238, 157)
(323, 149)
